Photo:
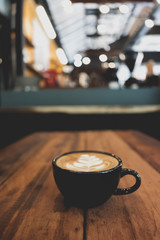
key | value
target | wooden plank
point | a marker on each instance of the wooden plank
(146, 146)
(133, 216)
(15, 156)
(31, 206)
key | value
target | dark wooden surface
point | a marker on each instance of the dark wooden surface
(32, 208)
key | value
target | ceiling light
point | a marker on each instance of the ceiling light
(46, 23)
(104, 9)
(122, 57)
(77, 57)
(111, 65)
(148, 43)
(139, 58)
(103, 58)
(86, 60)
(105, 65)
(77, 63)
(124, 8)
(107, 48)
(61, 56)
(149, 23)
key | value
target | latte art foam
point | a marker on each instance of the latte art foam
(87, 162)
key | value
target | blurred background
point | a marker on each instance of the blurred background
(79, 65)
(79, 44)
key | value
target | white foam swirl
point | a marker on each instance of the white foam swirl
(86, 163)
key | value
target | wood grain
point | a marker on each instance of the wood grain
(144, 145)
(31, 206)
(134, 216)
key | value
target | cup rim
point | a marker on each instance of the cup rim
(85, 151)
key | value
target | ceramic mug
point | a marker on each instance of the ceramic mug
(89, 178)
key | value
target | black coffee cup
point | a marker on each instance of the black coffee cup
(90, 189)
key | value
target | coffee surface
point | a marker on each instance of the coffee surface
(87, 162)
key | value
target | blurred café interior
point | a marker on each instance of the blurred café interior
(79, 65)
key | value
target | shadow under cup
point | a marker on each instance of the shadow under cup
(90, 189)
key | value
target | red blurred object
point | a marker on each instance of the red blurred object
(50, 77)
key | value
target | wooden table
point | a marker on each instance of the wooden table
(32, 208)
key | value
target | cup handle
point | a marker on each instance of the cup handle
(123, 191)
